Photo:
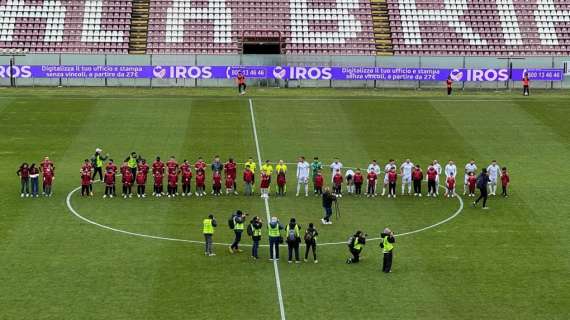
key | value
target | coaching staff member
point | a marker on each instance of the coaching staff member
(387, 246)
(97, 160)
(482, 181)
(328, 199)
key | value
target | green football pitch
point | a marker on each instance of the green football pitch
(68, 257)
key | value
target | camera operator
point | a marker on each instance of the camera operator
(328, 199)
(239, 221)
(387, 245)
(208, 230)
(255, 225)
(355, 245)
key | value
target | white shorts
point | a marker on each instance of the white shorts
(466, 177)
(493, 180)
(407, 179)
(437, 179)
(303, 180)
(386, 178)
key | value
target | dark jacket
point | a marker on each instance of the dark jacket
(314, 234)
(328, 199)
(297, 238)
(482, 180)
(391, 239)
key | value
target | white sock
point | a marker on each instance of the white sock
(403, 188)
(298, 187)
(306, 188)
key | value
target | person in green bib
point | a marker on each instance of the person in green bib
(293, 232)
(387, 245)
(254, 229)
(355, 245)
(274, 234)
(239, 222)
(132, 162)
(209, 225)
(98, 160)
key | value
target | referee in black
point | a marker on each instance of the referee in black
(482, 181)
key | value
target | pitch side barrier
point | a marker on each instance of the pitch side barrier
(280, 71)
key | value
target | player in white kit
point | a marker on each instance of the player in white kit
(374, 167)
(387, 169)
(494, 171)
(406, 172)
(437, 167)
(336, 165)
(303, 169)
(470, 167)
(349, 176)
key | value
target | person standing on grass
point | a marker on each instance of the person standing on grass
(255, 228)
(406, 172)
(217, 164)
(472, 181)
(328, 199)
(450, 169)
(230, 168)
(310, 238)
(24, 174)
(88, 166)
(391, 163)
(34, 179)
(200, 165)
(109, 184)
(482, 182)
(186, 178)
(358, 181)
(158, 176)
(293, 232)
(526, 82)
(128, 184)
(132, 162)
(494, 174)
(85, 182)
(158, 166)
(241, 83)
(200, 184)
(392, 179)
(336, 167)
(374, 167)
(209, 225)
(417, 177)
(239, 221)
(371, 178)
(48, 177)
(281, 167)
(505, 181)
(337, 183)
(142, 166)
(281, 182)
(252, 167)
(248, 177)
(349, 175)
(141, 183)
(267, 168)
(98, 160)
(355, 245)
(217, 183)
(437, 168)
(470, 167)
(316, 167)
(449, 84)
(303, 169)
(319, 182)
(387, 245)
(431, 178)
(274, 234)
(172, 165)
(264, 185)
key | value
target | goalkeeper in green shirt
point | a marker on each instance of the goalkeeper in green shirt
(316, 166)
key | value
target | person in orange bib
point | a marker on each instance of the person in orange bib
(525, 80)
(241, 83)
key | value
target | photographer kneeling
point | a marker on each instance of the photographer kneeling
(355, 245)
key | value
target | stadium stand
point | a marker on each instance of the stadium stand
(97, 26)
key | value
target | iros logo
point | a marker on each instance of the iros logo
(182, 72)
(479, 74)
(15, 71)
(303, 73)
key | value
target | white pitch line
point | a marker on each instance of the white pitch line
(266, 200)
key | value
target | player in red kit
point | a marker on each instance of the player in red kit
(200, 184)
(431, 178)
(111, 166)
(124, 167)
(505, 181)
(48, 177)
(127, 183)
(229, 184)
(157, 166)
(88, 166)
(281, 182)
(449, 83)
(47, 164)
(142, 166)
(230, 168)
(240, 79)
(526, 91)
(172, 165)
(109, 180)
(358, 180)
(85, 182)
(392, 178)
(450, 186)
(217, 183)
(248, 179)
(186, 179)
(200, 165)
(172, 183)
(417, 177)
(472, 183)
(371, 179)
(264, 184)
(319, 183)
(141, 183)
(158, 176)
(337, 184)
(185, 166)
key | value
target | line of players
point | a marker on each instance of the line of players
(411, 176)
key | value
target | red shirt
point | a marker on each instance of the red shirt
(141, 178)
(172, 179)
(319, 181)
(432, 174)
(417, 174)
(241, 79)
(248, 176)
(157, 166)
(505, 179)
(200, 165)
(111, 166)
(230, 169)
(371, 177)
(265, 181)
(449, 82)
(217, 178)
(142, 167)
(125, 168)
(127, 178)
(185, 167)
(48, 176)
(172, 166)
(451, 182)
(109, 178)
(229, 182)
(85, 178)
(186, 176)
(525, 82)
(46, 164)
(337, 179)
(281, 179)
(24, 172)
(392, 176)
(200, 180)
(86, 167)
(472, 180)
(358, 178)
(157, 178)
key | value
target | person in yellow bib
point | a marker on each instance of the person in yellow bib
(238, 227)
(293, 232)
(267, 167)
(208, 230)
(274, 235)
(355, 245)
(387, 245)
